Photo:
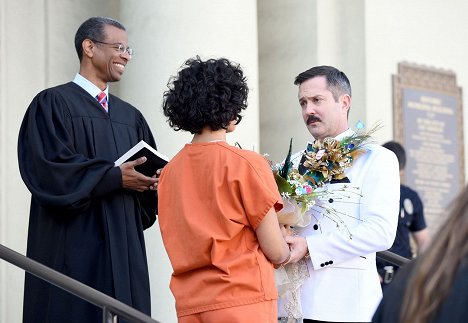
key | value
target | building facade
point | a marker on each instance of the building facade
(273, 40)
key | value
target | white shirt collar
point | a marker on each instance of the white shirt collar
(89, 87)
(348, 132)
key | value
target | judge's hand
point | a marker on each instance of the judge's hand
(154, 187)
(131, 179)
(298, 246)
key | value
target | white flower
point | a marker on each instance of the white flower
(285, 194)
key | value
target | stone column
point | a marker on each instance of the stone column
(293, 37)
(287, 46)
(36, 51)
(22, 64)
(164, 34)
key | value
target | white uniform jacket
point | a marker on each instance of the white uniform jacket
(344, 285)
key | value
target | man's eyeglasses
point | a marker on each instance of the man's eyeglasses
(121, 49)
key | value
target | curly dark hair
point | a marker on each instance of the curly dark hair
(205, 93)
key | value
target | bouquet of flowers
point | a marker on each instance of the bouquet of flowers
(323, 162)
(327, 159)
(297, 193)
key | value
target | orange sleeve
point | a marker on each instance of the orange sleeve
(258, 191)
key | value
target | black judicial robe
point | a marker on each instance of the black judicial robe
(82, 222)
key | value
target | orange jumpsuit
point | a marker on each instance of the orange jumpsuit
(212, 196)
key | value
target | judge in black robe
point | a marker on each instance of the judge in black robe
(82, 222)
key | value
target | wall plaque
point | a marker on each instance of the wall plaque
(428, 122)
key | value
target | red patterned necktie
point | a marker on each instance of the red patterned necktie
(102, 99)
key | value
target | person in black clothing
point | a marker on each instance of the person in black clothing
(410, 222)
(433, 287)
(87, 216)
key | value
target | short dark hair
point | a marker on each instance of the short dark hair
(399, 152)
(337, 81)
(205, 93)
(93, 29)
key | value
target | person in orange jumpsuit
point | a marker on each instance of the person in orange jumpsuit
(217, 203)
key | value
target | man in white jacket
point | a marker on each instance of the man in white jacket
(343, 284)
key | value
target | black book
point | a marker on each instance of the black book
(154, 159)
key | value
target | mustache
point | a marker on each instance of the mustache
(313, 118)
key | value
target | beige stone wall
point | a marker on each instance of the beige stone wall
(22, 72)
(274, 40)
(293, 37)
(287, 46)
(165, 34)
(37, 51)
(365, 39)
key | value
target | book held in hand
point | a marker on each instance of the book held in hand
(154, 159)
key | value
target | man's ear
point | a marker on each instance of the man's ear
(88, 48)
(346, 102)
